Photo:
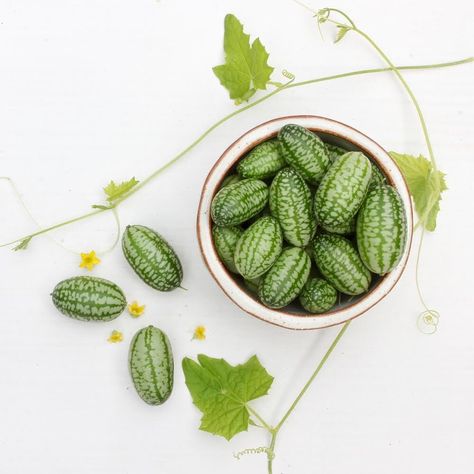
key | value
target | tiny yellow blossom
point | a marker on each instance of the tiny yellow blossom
(89, 260)
(115, 336)
(135, 309)
(200, 333)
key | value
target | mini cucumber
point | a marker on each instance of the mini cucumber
(89, 298)
(334, 151)
(377, 177)
(340, 264)
(342, 190)
(291, 204)
(285, 280)
(152, 258)
(304, 151)
(258, 248)
(264, 161)
(252, 285)
(225, 241)
(230, 179)
(318, 296)
(238, 202)
(151, 365)
(343, 229)
(381, 229)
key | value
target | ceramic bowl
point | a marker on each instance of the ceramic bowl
(293, 317)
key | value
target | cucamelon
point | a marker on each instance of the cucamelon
(377, 177)
(151, 365)
(258, 247)
(342, 190)
(381, 229)
(334, 151)
(285, 280)
(318, 296)
(225, 241)
(340, 264)
(347, 227)
(152, 258)
(89, 298)
(264, 161)
(304, 151)
(230, 179)
(253, 284)
(238, 202)
(291, 204)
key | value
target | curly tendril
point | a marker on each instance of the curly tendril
(259, 450)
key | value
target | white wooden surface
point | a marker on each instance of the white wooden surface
(99, 90)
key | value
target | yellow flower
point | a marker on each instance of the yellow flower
(200, 333)
(115, 336)
(135, 309)
(89, 260)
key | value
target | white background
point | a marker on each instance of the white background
(98, 90)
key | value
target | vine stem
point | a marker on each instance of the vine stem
(274, 431)
(259, 418)
(289, 85)
(409, 91)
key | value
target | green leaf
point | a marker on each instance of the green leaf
(115, 191)
(23, 245)
(424, 185)
(246, 68)
(221, 392)
(341, 32)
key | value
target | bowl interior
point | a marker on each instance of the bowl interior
(293, 316)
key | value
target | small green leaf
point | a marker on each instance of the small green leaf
(341, 32)
(115, 191)
(424, 185)
(221, 392)
(101, 206)
(23, 245)
(246, 68)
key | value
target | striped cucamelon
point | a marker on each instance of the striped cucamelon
(340, 264)
(225, 241)
(252, 285)
(151, 365)
(381, 229)
(264, 161)
(291, 204)
(238, 202)
(258, 248)
(264, 212)
(377, 177)
(152, 258)
(318, 296)
(334, 151)
(89, 298)
(230, 179)
(285, 280)
(347, 227)
(342, 190)
(304, 151)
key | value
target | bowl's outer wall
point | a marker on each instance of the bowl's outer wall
(339, 134)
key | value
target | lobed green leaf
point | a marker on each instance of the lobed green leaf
(221, 392)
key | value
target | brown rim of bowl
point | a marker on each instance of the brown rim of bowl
(243, 152)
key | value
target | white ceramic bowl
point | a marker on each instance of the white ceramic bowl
(294, 318)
